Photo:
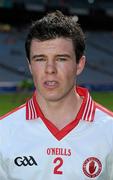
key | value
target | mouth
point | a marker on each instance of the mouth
(50, 84)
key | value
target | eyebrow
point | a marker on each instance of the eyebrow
(63, 55)
(59, 55)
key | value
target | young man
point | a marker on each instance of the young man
(60, 133)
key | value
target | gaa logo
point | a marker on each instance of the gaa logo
(92, 167)
(25, 161)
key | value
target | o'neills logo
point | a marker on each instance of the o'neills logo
(59, 151)
(92, 167)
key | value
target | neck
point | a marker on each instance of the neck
(63, 111)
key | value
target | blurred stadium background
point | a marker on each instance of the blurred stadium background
(96, 19)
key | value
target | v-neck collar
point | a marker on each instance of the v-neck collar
(86, 112)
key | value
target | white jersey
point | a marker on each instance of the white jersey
(32, 148)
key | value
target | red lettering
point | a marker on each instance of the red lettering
(53, 151)
(69, 152)
(57, 170)
(59, 151)
(48, 151)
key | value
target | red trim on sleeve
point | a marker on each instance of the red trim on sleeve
(89, 107)
(31, 112)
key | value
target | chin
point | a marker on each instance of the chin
(52, 98)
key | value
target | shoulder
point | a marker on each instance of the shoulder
(103, 123)
(104, 119)
(103, 110)
(103, 114)
(10, 125)
(10, 118)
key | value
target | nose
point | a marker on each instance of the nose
(50, 67)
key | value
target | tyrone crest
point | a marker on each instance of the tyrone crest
(92, 167)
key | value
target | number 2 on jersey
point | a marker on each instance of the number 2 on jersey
(59, 162)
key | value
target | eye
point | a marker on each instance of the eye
(61, 59)
(40, 59)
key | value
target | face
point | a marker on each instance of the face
(54, 68)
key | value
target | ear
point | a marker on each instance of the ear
(81, 65)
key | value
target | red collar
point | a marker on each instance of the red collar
(86, 111)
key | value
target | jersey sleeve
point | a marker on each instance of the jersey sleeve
(3, 169)
(110, 162)
(110, 166)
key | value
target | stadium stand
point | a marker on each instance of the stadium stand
(99, 53)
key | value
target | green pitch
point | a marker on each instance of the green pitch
(10, 101)
(104, 98)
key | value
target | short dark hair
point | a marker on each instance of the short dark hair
(55, 25)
